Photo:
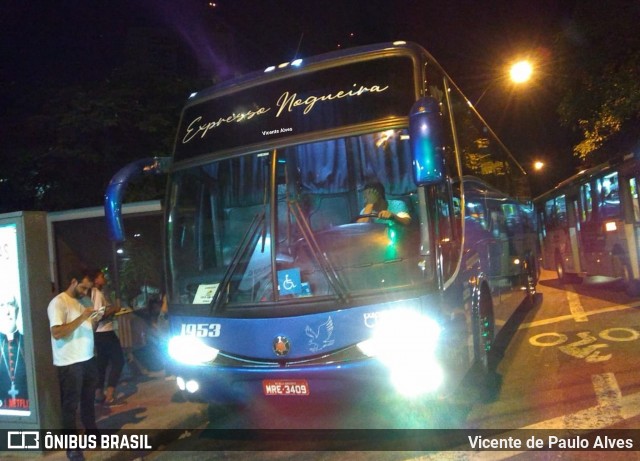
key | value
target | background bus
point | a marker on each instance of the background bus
(275, 290)
(590, 223)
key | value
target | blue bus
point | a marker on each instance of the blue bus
(278, 286)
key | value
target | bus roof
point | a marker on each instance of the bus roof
(584, 175)
(296, 65)
(346, 91)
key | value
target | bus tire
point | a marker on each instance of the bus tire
(483, 331)
(484, 381)
(621, 267)
(530, 274)
(633, 288)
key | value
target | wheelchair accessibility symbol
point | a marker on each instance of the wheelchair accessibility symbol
(289, 282)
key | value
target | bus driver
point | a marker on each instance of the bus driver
(377, 204)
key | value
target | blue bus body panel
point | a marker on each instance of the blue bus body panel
(344, 382)
(312, 336)
(309, 335)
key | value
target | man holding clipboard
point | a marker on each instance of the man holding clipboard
(72, 344)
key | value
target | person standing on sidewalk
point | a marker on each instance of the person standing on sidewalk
(72, 345)
(108, 348)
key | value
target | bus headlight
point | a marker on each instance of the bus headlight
(190, 386)
(191, 350)
(405, 342)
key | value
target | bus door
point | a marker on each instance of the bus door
(573, 222)
(605, 236)
(558, 248)
(507, 245)
(547, 260)
(592, 239)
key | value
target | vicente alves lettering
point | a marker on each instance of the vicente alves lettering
(287, 102)
(278, 131)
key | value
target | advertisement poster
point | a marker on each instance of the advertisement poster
(14, 396)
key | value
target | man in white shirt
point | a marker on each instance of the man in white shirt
(72, 344)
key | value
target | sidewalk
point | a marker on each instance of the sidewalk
(150, 401)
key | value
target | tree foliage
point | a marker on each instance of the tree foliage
(64, 144)
(600, 76)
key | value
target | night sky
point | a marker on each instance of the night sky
(64, 42)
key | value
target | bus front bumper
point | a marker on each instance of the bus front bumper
(353, 381)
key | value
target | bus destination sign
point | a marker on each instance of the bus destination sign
(347, 95)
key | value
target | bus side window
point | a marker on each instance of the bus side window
(457, 209)
(186, 234)
(447, 236)
(555, 211)
(586, 202)
(561, 210)
(476, 213)
(543, 224)
(633, 186)
(444, 221)
(513, 219)
(498, 227)
(608, 197)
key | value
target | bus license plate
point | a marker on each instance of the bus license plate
(285, 387)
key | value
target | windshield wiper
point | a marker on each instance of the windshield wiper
(247, 238)
(319, 255)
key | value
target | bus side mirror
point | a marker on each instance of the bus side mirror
(117, 186)
(425, 132)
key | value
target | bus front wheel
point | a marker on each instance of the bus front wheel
(530, 274)
(484, 375)
(483, 328)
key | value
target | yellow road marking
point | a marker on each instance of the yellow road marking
(562, 318)
(575, 306)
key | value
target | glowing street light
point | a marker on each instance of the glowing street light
(538, 165)
(521, 71)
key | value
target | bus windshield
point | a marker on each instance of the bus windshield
(274, 227)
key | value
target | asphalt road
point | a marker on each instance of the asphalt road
(570, 365)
